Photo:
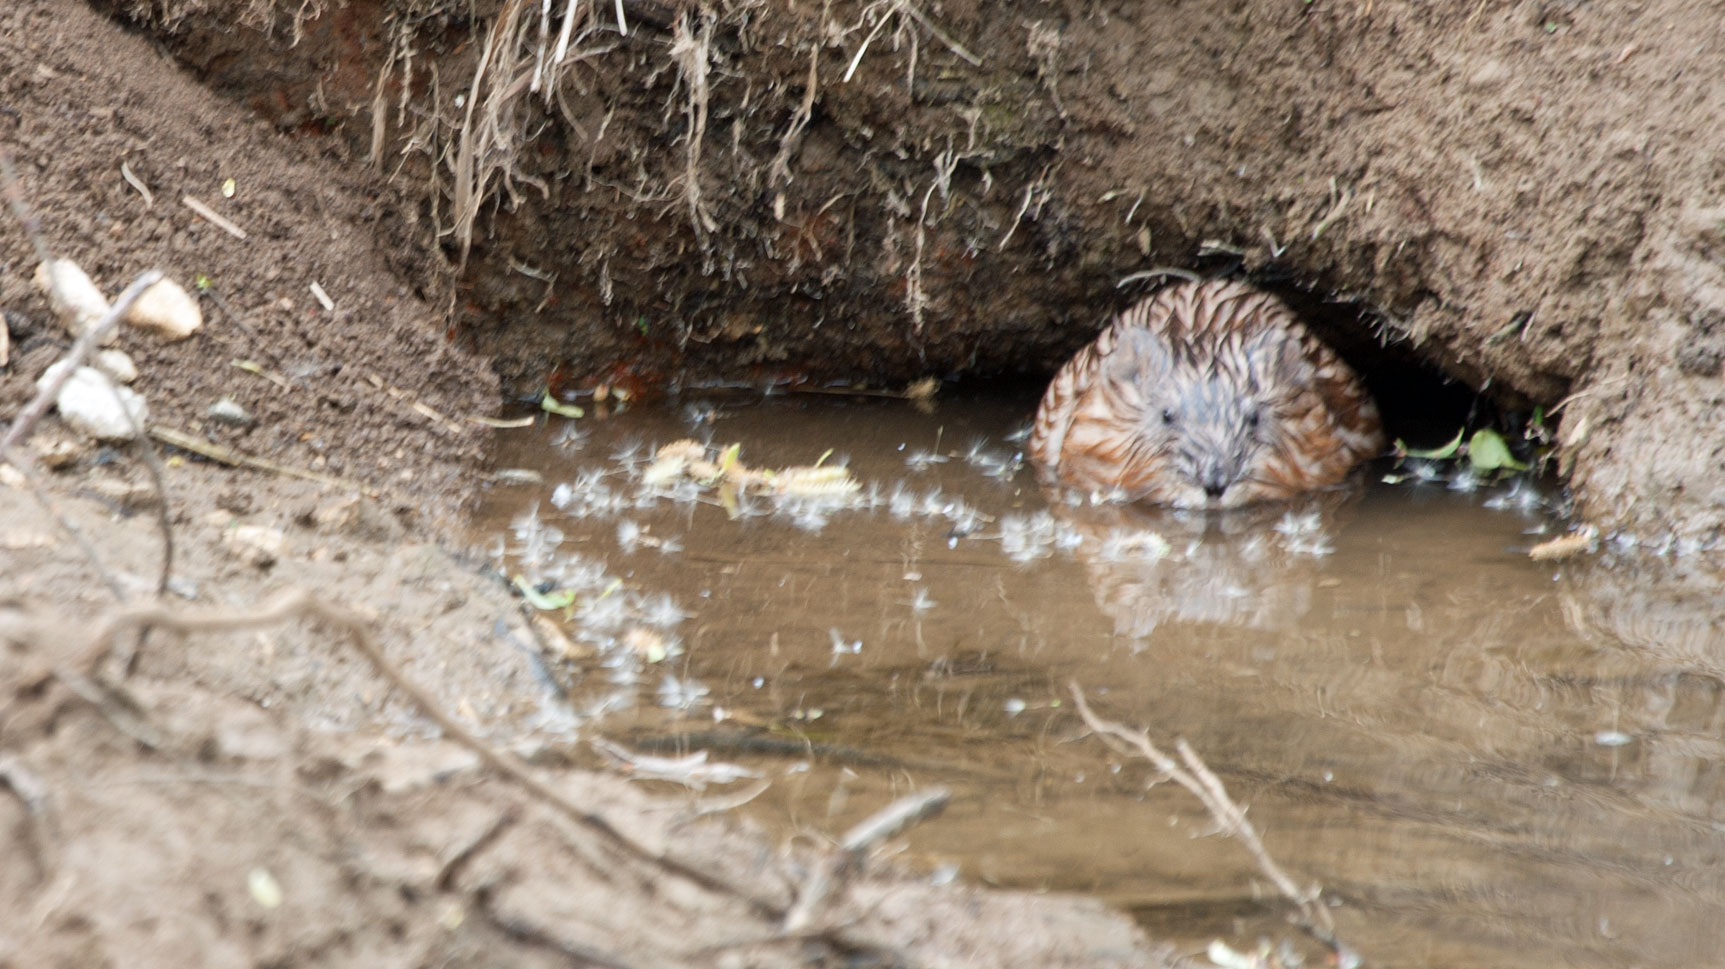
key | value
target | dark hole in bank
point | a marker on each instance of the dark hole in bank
(1421, 405)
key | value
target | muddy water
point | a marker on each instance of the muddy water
(1484, 761)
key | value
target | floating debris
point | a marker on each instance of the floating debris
(921, 460)
(921, 601)
(676, 694)
(1565, 546)
(807, 492)
(842, 646)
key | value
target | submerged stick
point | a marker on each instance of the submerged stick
(1196, 777)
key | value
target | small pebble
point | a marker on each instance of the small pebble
(167, 309)
(255, 545)
(76, 299)
(230, 411)
(117, 365)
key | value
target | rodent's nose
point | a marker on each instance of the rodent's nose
(1214, 489)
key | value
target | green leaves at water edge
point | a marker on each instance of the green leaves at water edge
(1437, 453)
(551, 405)
(1487, 451)
(544, 601)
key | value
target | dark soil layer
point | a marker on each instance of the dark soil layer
(1523, 194)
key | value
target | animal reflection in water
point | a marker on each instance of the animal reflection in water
(1255, 569)
(1206, 395)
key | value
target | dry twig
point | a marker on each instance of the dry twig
(832, 873)
(228, 456)
(779, 172)
(215, 218)
(10, 187)
(33, 794)
(1191, 773)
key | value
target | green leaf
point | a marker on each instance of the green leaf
(1441, 453)
(546, 601)
(1486, 451)
(551, 405)
(728, 458)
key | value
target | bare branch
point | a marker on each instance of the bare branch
(1191, 773)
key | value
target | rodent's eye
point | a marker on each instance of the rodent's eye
(1167, 417)
(1252, 419)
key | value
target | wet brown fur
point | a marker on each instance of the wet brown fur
(1205, 395)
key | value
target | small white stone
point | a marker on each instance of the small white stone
(257, 545)
(229, 411)
(116, 364)
(76, 300)
(96, 406)
(167, 309)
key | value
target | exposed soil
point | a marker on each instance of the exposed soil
(1520, 194)
(81, 98)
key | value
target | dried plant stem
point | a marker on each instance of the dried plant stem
(10, 186)
(832, 873)
(779, 172)
(1191, 773)
(692, 53)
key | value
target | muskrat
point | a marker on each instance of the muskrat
(1205, 395)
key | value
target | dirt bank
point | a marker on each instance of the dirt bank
(1519, 193)
(370, 390)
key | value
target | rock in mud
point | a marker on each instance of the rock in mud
(76, 300)
(168, 310)
(97, 407)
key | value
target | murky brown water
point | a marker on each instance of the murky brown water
(1483, 760)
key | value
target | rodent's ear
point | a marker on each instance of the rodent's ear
(1140, 355)
(1279, 358)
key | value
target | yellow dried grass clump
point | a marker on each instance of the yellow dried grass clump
(693, 461)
